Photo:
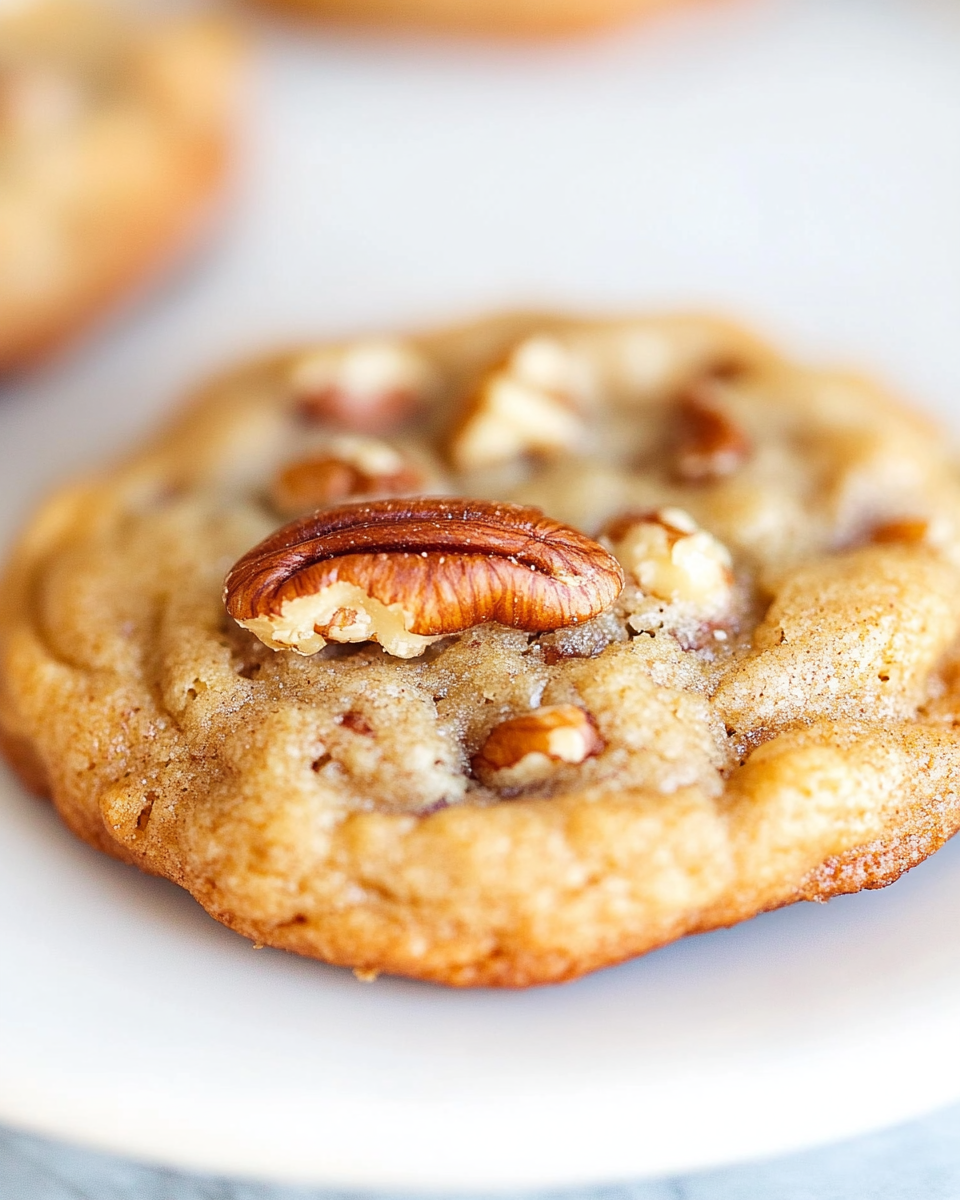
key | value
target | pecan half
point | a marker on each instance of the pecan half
(407, 572)
(709, 445)
(528, 748)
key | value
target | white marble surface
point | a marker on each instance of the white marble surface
(919, 1161)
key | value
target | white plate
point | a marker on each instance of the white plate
(796, 162)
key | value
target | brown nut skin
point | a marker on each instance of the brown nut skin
(908, 530)
(331, 405)
(451, 563)
(620, 525)
(536, 732)
(313, 483)
(709, 446)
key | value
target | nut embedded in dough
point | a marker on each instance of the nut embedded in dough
(348, 467)
(672, 558)
(904, 530)
(528, 406)
(528, 748)
(710, 445)
(368, 386)
(407, 572)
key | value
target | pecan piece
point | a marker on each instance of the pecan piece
(312, 483)
(407, 572)
(528, 748)
(367, 387)
(905, 530)
(709, 445)
(352, 467)
(672, 558)
(528, 405)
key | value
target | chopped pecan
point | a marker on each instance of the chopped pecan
(728, 369)
(672, 558)
(710, 446)
(352, 467)
(526, 749)
(367, 387)
(356, 722)
(908, 530)
(312, 483)
(526, 406)
(407, 572)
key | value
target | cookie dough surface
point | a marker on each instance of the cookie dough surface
(114, 138)
(766, 713)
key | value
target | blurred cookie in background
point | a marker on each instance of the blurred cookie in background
(115, 138)
(512, 17)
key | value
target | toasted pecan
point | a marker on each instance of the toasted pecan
(440, 566)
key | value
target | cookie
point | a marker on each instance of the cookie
(115, 135)
(490, 17)
(498, 655)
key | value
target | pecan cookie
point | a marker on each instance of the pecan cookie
(511, 17)
(114, 136)
(501, 654)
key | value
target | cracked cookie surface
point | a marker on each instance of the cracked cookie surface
(767, 712)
